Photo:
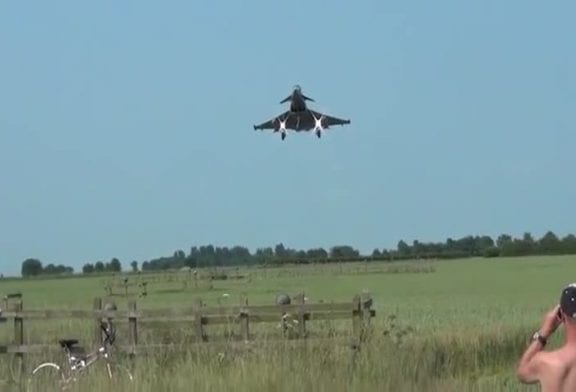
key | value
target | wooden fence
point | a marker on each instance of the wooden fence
(138, 285)
(197, 316)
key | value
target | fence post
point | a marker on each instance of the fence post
(366, 300)
(8, 297)
(244, 319)
(357, 330)
(198, 320)
(132, 330)
(97, 331)
(301, 315)
(361, 314)
(356, 316)
(283, 323)
(143, 291)
(126, 285)
(19, 340)
(108, 289)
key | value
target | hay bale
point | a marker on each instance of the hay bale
(283, 299)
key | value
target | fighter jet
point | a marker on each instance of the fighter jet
(299, 117)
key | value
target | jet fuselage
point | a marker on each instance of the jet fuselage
(299, 118)
(297, 103)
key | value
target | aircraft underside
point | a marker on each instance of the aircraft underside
(301, 121)
(300, 118)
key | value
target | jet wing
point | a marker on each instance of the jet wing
(328, 121)
(273, 123)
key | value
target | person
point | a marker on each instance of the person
(555, 370)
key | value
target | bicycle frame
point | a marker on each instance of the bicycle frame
(75, 365)
(83, 362)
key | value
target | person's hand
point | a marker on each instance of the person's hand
(550, 322)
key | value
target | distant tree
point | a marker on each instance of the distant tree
(191, 261)
(99, 266)
(115, 265)
(343, 252)
(31, 267)
(59, 269)
(211, 256)
(264, 255)
(569, 244)
(403, 248)
(280, 250)
(88, 268)
(235, 256)
(502, 240)
(527, 246)
(450, 244)
(318, 254)
(484, 242)
(385, 254)
(466, 246)
(491, 252)
(417, 248)
(50, 269)
(549, 243)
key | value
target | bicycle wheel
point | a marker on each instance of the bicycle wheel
(118, 373)
(46, 377)
(107, 376)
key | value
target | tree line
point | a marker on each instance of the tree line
(213, 256)
(34, 267)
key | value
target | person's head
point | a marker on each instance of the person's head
(568, 305)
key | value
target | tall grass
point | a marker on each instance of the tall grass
(394, 358)
(460, 328)
(432, 363)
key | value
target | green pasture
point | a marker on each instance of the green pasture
(440, 325)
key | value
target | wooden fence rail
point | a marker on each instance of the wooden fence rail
(197, 316)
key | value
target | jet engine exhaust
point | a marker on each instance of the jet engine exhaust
(283, 129)
(318, 125)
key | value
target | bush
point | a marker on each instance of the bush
(491, 252)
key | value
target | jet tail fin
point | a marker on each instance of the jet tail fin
(289, 98)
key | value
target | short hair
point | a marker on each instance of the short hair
(568, 301)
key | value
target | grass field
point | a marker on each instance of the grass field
(457, 325)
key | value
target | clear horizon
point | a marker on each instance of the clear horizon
(126, 129)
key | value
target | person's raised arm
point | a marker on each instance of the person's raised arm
(530, 365)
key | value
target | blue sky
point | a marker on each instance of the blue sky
(126, 126)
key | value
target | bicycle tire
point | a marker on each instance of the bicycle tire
(116, 371)
(106, 375)
(46, 377)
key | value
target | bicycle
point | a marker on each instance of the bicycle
(49, 376)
